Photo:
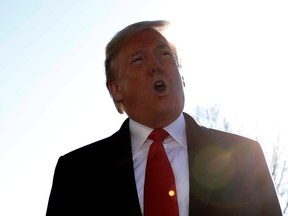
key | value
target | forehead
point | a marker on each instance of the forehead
(145, 39)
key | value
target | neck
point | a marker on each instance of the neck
(158, 122)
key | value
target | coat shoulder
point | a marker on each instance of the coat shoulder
(101, 147)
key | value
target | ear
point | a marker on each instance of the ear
(183, 80)
(115, 91)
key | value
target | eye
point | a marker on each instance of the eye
(165, 53)
(137, 60)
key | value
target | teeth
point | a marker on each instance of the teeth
(159, 86)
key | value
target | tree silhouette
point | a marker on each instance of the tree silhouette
(212, 117)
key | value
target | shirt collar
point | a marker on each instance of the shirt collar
(139, 132)
(177, 130)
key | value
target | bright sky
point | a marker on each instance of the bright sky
(52, 93)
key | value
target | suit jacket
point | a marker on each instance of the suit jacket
(228, 176)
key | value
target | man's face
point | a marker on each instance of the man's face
(148, 82)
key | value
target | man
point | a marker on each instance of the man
(213, 172)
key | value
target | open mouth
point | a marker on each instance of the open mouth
(160, 87)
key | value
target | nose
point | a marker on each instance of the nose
(155, 66)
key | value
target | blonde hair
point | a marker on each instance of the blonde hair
(116, 43)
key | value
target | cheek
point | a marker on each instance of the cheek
(171, 67)
(131, 88)
(174, 74)
(178, 83)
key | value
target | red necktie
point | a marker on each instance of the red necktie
(160, 198)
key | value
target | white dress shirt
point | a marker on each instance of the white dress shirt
(176, 149)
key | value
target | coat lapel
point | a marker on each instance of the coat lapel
(128, 198)
(197, 196)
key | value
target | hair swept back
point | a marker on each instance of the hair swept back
(113, 47)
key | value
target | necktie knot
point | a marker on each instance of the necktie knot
(158, 135)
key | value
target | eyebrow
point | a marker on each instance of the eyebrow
(159, 46)
(136, 52)
(163, 45)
